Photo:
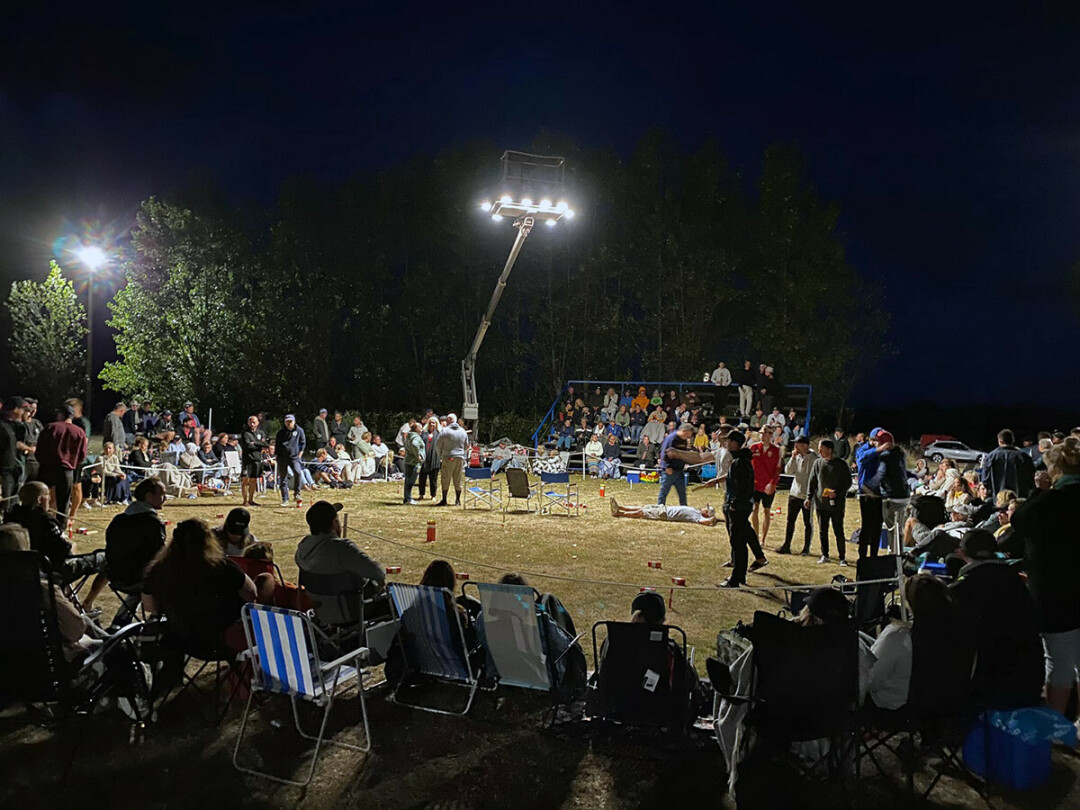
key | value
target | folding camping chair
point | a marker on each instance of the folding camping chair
(640, 679)
(432, 641)
(869, 608)
(477, 494)
(556, 491)
(231, 469)
(32, 665)
(518, 486)
(285, 660)
(819, 704)
(510, 631)
(369, 616)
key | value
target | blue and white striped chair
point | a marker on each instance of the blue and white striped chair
(556, 491)
(285, 661)
(481, 489)
(432, 640)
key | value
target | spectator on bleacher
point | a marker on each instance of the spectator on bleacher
(654, 429)
(130, 420)
(627, 398)
(611, 402)
(701, 439)
(642, 399)
(207, 456)
(610, 458)
(139, 460)
(721, 378)
(188, 414)
(595, 400)
(647, 453)
(565, 437)
(766, 399)
(744, 378)
(166, 428)
(757, 421)
(113, 430)
(584, 432)
(1049, 524)
(830, 480)
(638, 420)
(622, 419)
(594, 450)
(766, 457)
(776, 419)
(798, 467)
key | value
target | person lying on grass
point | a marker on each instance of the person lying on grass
(706, 516)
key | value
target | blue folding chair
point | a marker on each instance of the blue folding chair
(556, 491)
(510, 629)
(285, 661)
(432, 641)
(479, 495)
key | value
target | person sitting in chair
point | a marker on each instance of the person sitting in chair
(132, 540)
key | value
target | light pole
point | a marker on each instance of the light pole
(526, 214)
(94, 258)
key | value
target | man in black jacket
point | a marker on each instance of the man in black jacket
(738, 504)
(1009, 467)
(252, 443)
(289, 447)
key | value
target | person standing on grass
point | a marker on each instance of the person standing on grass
(798, 467)
(672, 466)
(766, 455)
(451, 447)
(871, 509)
(830, 480)
(738, 503)
(429, 470)
(414, 459)
(62, 448)
(252, 443)
(289, 445)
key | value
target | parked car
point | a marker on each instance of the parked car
(956, 450)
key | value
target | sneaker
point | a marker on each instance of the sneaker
(843, 562)
(614, 508)
(442, 502)
(784, 550)
(757, 565)
(728, 564)
(729, 583)
(823, 560)
(804, 553)
(284, 502)
(411, 502)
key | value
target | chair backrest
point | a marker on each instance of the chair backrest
(817, 703)
(942, 664)
(510, 630)
(478, 473)
(283, 649)
(555, 478)
(638, 678)
(432, 637)
(31, 656)
(232, 461)
(517, 482)
(344, 589)
(870, 599)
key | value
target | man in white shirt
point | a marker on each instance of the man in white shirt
(798, 467)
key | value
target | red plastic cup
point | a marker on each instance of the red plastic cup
(461, 575)
(655, 564)
(431, 531)
(393, 569)
(642, 590)
(678, 581)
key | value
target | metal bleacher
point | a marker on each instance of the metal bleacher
(799, 397)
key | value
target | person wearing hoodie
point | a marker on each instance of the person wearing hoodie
(871, 516)
(830, 480)
(451, 447)
(333, 570)
(289, 445)
(798, 467)
(738, 503)
(891, 481)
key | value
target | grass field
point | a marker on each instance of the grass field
(590, 549)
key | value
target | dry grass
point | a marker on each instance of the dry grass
(594, 546)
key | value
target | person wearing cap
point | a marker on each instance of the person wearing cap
(798, 467)
(166, 429)
(841, 444)
(233, 534)
(451, 447)
(253, 442)
(333, 570)
(827, 488)
(891, 482)
(61, 449)
(738, 503)
(871, 512)
(289, 445)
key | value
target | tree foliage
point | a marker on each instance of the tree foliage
(48, 336)
(366, 294)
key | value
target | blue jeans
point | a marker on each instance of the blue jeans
(285, 467)
(564, 443)
(635, 433)
(497, 464)
(411, 471)
(678, 480)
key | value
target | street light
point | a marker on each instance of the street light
(94, 258)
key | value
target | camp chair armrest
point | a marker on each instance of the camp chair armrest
(111, 642)
(357, 654)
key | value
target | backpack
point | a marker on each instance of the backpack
(929, 510)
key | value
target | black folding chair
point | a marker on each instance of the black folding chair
(869, 608)
(643, 677)
(519, 487)
(369, 616)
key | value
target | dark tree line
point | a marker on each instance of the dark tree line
(365, 294)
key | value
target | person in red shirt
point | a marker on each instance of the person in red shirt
(765, 456)
(61, 449)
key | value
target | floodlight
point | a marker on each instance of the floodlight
(496, 217)
(550, 223)
(92, 256)
(526, 202)
(505, 198)
(569, 214)
(561, 206)
(545, 203)
(486, 206)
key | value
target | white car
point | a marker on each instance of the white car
(957, 451)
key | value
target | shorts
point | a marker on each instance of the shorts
(763, 499)
(654, 511)
(251, 469)
(1062, 657)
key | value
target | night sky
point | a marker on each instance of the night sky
(950, 137)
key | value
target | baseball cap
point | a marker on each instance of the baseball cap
(321, 514)
(322, 410)
(651, 605)
(289, 416)
(875, 432)
(189, 404)
(238, 520)
(828, 604)
(884, 437)
(66, 411)
(737, 437)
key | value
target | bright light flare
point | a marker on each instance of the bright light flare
(92, 256)
(561, 207)
(550, 223)
(545, 203)
(485, 206)
(526, 202)
(569, 213)
(505, 198)
(496, 218)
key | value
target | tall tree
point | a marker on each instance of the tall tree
(183, 313)
(48, 335)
